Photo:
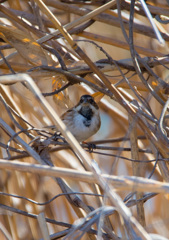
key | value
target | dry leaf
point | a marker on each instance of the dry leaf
(27, 47)
(62, 98)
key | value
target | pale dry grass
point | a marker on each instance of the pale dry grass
(52, 52)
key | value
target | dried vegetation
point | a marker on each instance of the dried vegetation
(52, 52)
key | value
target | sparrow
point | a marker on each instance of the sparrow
(83, 120)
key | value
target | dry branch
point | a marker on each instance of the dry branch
(52, 52)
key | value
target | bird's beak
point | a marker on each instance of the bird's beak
(85, 103)
(97, 96)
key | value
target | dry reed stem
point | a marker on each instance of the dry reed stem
(118, 96)
(43, 226)
(121, 183)
(119, 43)
(112, 195)
(105, 18)
(136, 167)
(79, 21)
(72, 141)
(149, 107)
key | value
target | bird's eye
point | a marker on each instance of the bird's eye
(91, 100)
(81, 100)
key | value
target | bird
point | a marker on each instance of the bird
(83, 120)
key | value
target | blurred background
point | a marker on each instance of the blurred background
(30, 43)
